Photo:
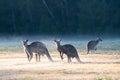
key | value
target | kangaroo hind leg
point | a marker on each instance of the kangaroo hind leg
(39, 55)
(69, 59)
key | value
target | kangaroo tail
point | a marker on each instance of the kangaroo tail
(78, 59)
(48, 55)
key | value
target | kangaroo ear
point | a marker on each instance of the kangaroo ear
(60, 40)
(26, 40)
(55, 40)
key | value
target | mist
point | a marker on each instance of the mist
(13, 43)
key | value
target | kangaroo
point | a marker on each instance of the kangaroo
(38, 48)
(67, 49)
(92, 45)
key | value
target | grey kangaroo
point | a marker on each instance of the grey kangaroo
(38, 48)
(67, 49)
(92, 45)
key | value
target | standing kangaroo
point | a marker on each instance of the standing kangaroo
(38, 48)
(67, 49)
(92, 45)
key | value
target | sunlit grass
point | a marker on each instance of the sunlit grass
(15, 66)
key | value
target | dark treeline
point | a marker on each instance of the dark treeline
(60, 16)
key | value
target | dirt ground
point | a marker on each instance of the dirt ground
(93, 67)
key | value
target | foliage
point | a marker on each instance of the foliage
(60, 17)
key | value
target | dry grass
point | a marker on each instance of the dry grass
(93, 67)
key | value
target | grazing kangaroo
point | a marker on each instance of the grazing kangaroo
(92, 45)
(38, 48)
(67, 49)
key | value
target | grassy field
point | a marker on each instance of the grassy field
(101, 66)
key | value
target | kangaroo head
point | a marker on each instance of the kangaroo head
(99, 39)
(24, 42)
(57, 42)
